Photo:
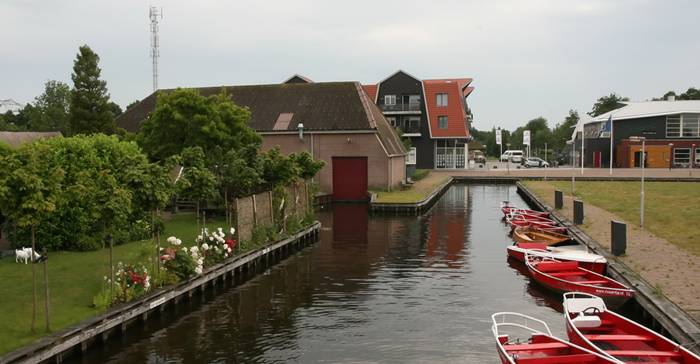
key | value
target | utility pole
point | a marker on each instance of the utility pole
(155, 14)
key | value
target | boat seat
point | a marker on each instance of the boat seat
(574, 358)
(532, 246)
(619, 337)
(586, 321)
(566, 274)
(557, 266)
(530, 347)
(644, 353)
(599, 281)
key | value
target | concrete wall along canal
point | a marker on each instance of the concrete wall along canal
(117, 321)
(655, 310)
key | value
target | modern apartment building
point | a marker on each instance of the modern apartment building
(433, 113)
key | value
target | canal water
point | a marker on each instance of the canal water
(375, 288)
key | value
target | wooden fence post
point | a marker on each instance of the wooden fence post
(255, 212)
(272, 209)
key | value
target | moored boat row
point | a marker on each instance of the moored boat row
(595, 334)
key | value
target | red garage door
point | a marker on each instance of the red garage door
(349, 178)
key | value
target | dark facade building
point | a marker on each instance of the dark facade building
(434, 114)
(671, 130)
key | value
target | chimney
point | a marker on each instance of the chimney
(671, 98)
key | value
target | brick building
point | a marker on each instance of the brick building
(334, 121)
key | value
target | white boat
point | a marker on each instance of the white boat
(593, 262)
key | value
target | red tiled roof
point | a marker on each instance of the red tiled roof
(371, 91)
(457, 120)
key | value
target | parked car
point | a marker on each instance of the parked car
(515, 156)
(535, 162)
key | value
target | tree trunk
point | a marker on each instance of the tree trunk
(226, 208)
(46, 294)
(33, 281)
(197, 212)
(111, 267)
(157, 272)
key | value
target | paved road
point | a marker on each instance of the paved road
(500, 169)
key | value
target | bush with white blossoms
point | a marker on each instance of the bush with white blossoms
(215, 247)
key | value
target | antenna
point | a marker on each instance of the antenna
(155, 14)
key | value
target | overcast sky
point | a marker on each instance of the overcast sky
(527, 58)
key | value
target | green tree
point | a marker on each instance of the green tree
(691, 94)
(90, 110)
(29, 194)
(197, 183)
(240, 174)
(183, 118)
(114, 108)
(50, 111)
(607, 103)
(562, 131)
(307, 166)
(132, 104)
(278, 169)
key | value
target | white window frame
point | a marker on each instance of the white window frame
(392, 120)
(441, 99)
(447, 122)
(389, 99)
(684, 126)
(697, 155)
(686, 151)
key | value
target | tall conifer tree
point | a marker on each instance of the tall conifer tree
(90, 111)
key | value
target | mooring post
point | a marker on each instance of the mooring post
(558, 199)
(618, 237)
(578, 212)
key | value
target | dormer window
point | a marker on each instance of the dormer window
(389, 99)
(441, 99)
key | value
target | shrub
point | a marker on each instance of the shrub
(419, 174)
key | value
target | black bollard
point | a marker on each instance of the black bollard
(578, 212)
(558, 199)
(618, 237)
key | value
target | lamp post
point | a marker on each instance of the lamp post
(692, 160)
(545, 161)
(670, 156)
(641, 194)
(573, 170)
(508, 159)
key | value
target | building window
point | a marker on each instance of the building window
(697, 157)
(391, 120)
(683, 126)
(681, 156)
(442, 122)
(389, 99)
(442, 99)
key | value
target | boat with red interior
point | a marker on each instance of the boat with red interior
(563, 277)
(593, 262)
(590, 324)
(541, 347)
(509, 209)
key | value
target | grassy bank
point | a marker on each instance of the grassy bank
(74, 279)
(671, 207)
(415, 193)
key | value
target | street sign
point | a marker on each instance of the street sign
(498, 136)
(526, 137)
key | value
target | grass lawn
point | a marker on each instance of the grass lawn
(419, 191)
(670, 207)
(74, 279)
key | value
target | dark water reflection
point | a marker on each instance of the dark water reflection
(374, 289)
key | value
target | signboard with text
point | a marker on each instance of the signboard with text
(526, 137)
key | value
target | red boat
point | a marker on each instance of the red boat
(593, 262)
(591, 325)
(571, 277)
(542, 226)
(541, 347)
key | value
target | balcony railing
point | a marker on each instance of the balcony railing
(400, 106)
(409, 129)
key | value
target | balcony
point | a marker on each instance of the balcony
(401, 107)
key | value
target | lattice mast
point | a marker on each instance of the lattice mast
(155, 14)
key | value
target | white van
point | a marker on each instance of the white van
(515, 156)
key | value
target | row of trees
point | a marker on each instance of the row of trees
(81, 109)
(555, 137)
